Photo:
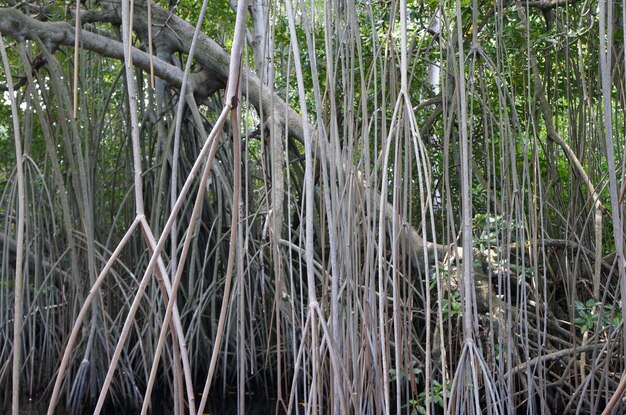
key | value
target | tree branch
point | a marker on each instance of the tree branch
(549, 4)
(16, 25)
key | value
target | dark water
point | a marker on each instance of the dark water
(225, 406)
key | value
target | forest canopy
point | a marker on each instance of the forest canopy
(312, 207)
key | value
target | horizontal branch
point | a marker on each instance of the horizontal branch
(559, 354)
(17, 25)
(548, 4)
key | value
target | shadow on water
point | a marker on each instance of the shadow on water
(227, 406)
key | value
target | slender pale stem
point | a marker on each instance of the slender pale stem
(18, 303)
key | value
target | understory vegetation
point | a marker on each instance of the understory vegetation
(313, 207)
